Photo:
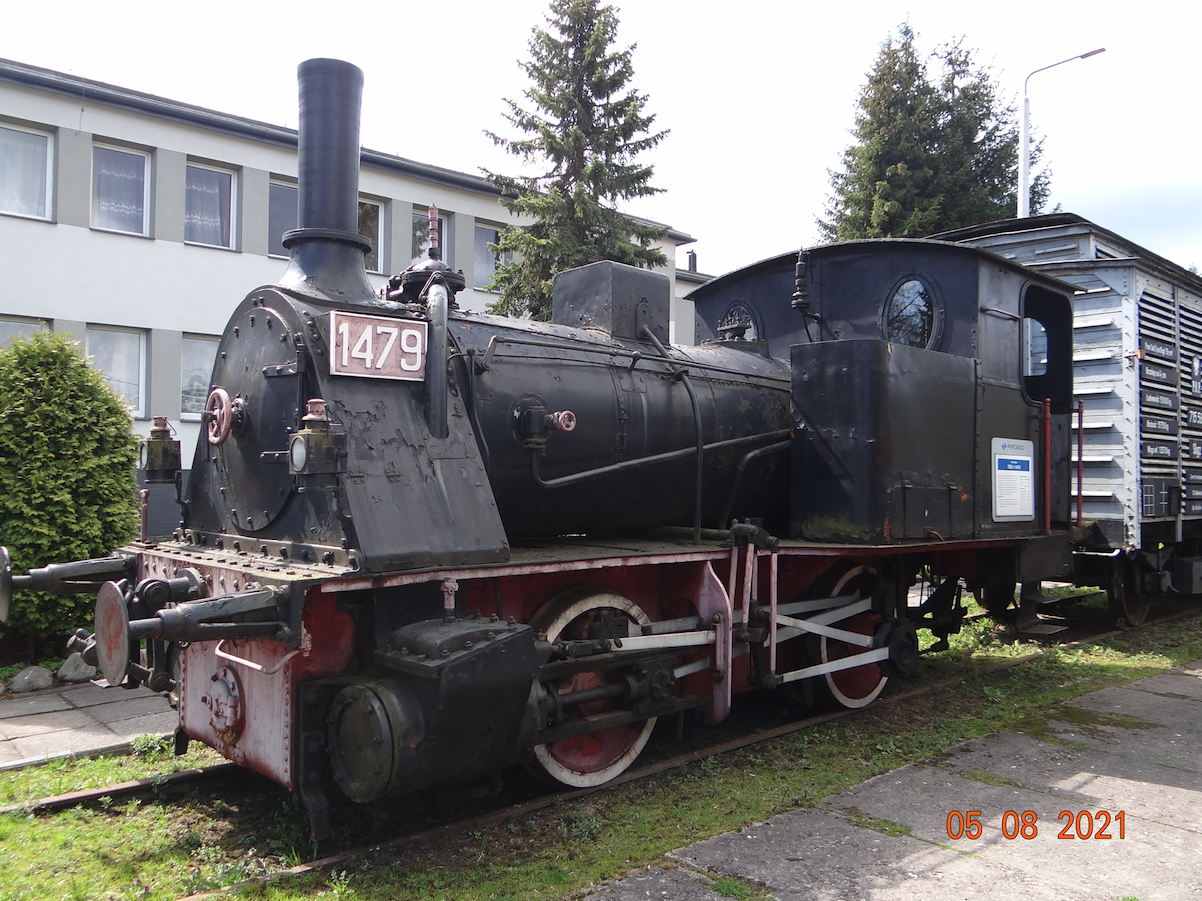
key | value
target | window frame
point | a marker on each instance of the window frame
(419, 213)
(934, 296)
(138, 411)
(233, 203)
(146, 192)
(498, 259)
(215, 341)
(48, 198)
(1053, 311)
(280, 181)
(378, 243)
(35, 323)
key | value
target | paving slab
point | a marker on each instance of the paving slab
(812, 855)
(44, 723)
(1173, 739)
(39, 702)
(82, 719)
(1180, 684)
(60, 744)
(1168, 795)
(9, 754)
(656, 882)
(152, 724)
(128, 708)
(1151, 861)
(91, 694)
(1164, 710)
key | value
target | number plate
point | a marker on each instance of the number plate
(376, 347)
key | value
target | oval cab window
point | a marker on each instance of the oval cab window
(909, 316)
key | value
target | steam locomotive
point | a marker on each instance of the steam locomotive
(420, 544)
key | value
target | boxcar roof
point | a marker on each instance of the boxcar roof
(787, 260)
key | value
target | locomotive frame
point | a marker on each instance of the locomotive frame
(420, 545)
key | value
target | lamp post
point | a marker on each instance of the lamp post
(1024, 158)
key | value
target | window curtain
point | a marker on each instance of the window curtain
(369, 227)
(118, 355)
(196, 367)
(23, 172)
(207, 207)
(119, 190)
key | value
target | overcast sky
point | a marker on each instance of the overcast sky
(759, 97)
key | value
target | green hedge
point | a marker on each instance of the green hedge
(67, 479)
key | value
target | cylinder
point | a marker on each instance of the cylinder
(331, 91)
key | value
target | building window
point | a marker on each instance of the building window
(282, 201)
(486, 260)
(282, 216)
(209, 206)
(196, 367)
(421, 238)
(18, 327)
(120, 354)
(25, 172)
(120, 190)
(369, 227)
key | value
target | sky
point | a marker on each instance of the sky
(759, 98)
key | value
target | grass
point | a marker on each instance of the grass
(737, 889)
(885, 827)
(165, 848)
(58, 777)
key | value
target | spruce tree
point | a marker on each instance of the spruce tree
(933, 153)
(585, 127)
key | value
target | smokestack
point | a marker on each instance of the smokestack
(327, 250)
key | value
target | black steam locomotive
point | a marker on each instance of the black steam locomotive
(420, 544)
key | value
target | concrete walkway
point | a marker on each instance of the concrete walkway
(1146, 762)
(82, 720)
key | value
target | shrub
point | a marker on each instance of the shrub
(67, 485)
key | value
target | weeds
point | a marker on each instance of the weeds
(340, 885)
(148, 746)
(580, 827)
(732, 888)
(290, 833)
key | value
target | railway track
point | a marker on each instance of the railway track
(476, 821)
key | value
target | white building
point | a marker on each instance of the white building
(137, 224)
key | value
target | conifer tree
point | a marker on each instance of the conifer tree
(585, 127)
(932, 153)
(67, 472)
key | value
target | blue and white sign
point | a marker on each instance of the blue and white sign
(1013, 480)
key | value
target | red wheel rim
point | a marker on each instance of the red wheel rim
(594, 751)
(592, 758)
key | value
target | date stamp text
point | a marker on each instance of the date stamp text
(1082, 824)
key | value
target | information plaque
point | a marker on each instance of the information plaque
(1013, 480)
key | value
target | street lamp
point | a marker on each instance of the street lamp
(1024, 158)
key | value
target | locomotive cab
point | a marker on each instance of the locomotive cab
(931, 390)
